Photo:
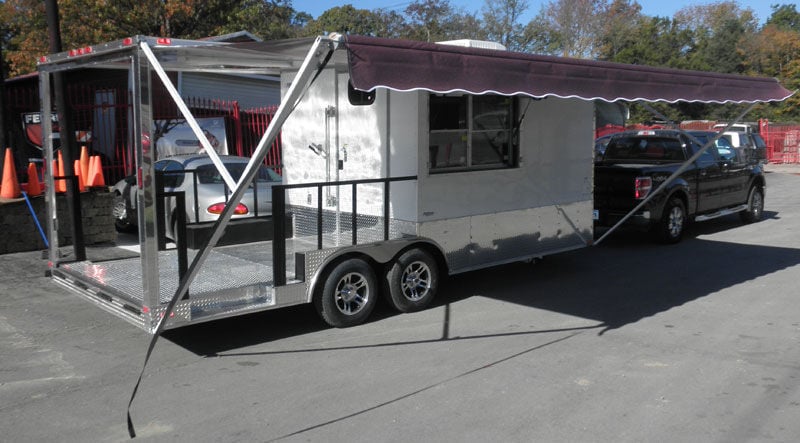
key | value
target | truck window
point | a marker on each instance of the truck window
(645, 149)
(471, 132)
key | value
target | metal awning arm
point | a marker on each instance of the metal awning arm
(187, 114)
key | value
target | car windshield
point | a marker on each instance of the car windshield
(649, 148)
(208, 174)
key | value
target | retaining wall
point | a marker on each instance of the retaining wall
(18, 230)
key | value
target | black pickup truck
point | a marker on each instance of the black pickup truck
(719, 182)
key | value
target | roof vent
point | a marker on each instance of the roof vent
(467, 43)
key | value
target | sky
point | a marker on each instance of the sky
(661, 8)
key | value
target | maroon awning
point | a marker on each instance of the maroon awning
(408, 65)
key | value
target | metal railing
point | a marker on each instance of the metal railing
(279, 215)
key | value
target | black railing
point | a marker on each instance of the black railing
(279, 216)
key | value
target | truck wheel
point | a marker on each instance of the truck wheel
(673, 221)
(348, 295)
(413, 280)
(755, 205)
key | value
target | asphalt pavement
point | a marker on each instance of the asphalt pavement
(628, 341)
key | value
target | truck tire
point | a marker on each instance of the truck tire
(755, 205)
(348, 294)
(412, 281)
(673, 222)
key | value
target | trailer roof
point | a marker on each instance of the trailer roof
(409, 65)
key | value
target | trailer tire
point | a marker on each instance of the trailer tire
(673, 222)
(348, 294)
(412, 281)
(755, 205)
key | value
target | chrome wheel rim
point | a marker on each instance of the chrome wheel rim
(675, 221)
(415, 283)
(352, 293)
(120, 211)
(757, 204)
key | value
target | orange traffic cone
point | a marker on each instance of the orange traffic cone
(84, 164)
(61, 185)
(34, 186)
(95, 172)
(81, 180)
(10, 188)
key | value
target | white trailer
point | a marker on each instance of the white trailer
(403, 162)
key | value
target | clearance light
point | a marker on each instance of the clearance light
(217, 208)
(127, 41)
(642, 187)
(164, 41)
(43, 59)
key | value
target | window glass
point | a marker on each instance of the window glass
(448, 112)
(471, 131)
(448, 149)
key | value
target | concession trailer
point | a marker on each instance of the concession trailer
(403, 162)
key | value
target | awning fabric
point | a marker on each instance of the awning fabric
(408, 65)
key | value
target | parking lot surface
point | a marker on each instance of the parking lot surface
(626, 341)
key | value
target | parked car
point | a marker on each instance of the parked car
(204, 189)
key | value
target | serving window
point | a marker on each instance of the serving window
(471, 132)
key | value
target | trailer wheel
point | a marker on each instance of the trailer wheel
(673, 222)
(348, 294)
(755, 205)
(412, 281)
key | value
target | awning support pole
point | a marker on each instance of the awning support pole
(674, 175)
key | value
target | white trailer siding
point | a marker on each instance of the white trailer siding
(542, 207)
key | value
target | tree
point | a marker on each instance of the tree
(87, 22)
(269, 20)
(785, 17)
(348, 19)
(570, 28)
(718, 32)
(425, 18)
(501, 22)
(619, 27)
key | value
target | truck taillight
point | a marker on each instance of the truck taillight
(642, 187)
(217, 208)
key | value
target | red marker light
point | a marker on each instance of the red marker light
(164, 41)
(127, 41)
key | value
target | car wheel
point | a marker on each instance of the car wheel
(348, 294)
(120, 212)
(412, 281)
(755, 205)
(673, 221)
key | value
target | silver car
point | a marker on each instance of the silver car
(204, 189)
